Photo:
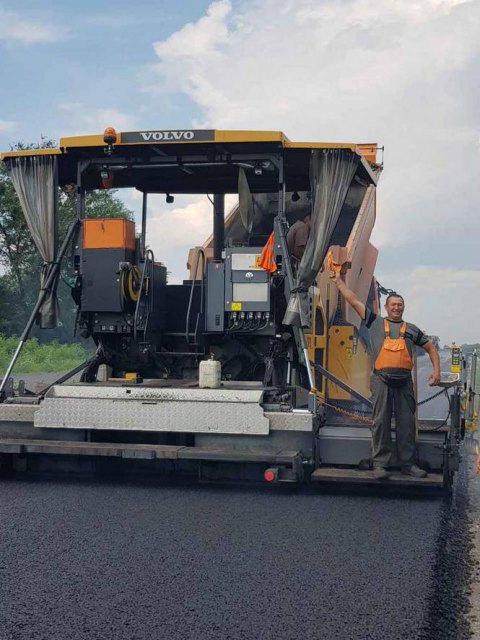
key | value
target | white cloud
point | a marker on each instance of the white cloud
(356, 70)
(442, 301)
(95, 119)
(16, 28)
(203, 37)
(172, 226)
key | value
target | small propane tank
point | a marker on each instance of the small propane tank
(210, 373)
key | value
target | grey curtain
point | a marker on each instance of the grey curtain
(245, 201)
(331, 172)
(34, 179)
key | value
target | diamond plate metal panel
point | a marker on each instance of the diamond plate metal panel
(156, 393)
(288, 421)
(17, 412)
(175, 410)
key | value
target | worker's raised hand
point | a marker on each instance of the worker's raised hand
(335, 276)
(434, 378)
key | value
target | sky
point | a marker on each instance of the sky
(403, 73)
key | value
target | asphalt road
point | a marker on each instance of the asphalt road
(116, 560)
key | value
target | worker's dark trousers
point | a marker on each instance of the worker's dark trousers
(402, 401)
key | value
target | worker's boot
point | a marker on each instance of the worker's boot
(380, 473)
(414, 471)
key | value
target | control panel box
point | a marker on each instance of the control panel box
(247, 285)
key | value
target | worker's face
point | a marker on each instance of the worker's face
(395, 308)
(307, 221)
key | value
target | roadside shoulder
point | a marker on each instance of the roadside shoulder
(474, 493)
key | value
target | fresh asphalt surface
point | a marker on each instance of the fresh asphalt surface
(116, 559)
(112, 559)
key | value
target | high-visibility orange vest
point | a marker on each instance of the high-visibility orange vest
(394, 353)
(267, 257)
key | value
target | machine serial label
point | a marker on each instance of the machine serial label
(236, 306)
(183, 135)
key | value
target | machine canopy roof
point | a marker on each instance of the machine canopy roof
(193, 161)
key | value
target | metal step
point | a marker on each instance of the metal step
(356, 476)
(147, 451)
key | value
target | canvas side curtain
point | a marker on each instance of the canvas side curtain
(331, 172)
(34, 179)
(245, 201)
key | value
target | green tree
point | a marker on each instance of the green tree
(19, 259)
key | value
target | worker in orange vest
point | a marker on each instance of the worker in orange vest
(392, 348)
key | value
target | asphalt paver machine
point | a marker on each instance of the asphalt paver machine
(252, 367)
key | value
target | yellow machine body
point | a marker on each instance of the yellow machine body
(348, 360)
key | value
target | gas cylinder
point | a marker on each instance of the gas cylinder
(210, 373)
